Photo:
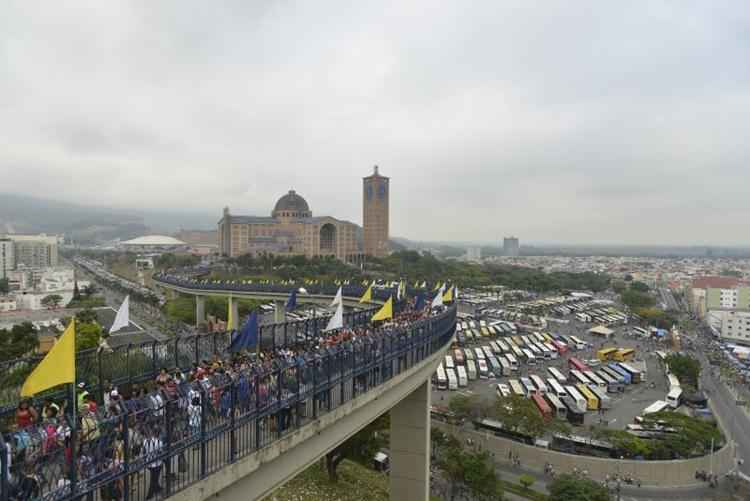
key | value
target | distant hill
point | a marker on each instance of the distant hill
(89, 224)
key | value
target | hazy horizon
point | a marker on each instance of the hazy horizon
(597, 124)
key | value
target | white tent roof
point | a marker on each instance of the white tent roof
(154, 240)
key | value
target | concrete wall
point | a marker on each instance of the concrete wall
(662, 473)
(257, 475)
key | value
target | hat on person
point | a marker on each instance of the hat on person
(114, 393)
(81, 385)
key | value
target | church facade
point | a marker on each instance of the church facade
(290, 230)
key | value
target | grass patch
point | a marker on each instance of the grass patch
(356, 483)
(520, 491)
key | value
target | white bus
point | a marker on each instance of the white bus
(449, 362)
(494, 366)
(479, 353)
(578, 377)
(595, 379)
(484, 371)
(502, 390)
(516, 387)
(674, 396)
(463, 380)
(580, 400)
(505, 365)
(559, 376)
(517, 351)
(657, 406)
(495, 348)
(552, 350)
(471, 370)
(556, 388)
(561, 412)
(469, 354)
(452, 379)
(673, 381)
(530, 358)
(528, 386)
(580, 345)
(604, 401)
(442, 379)
(487, 352)
(541, 387)
(503, 346)
(512, 361)
(534, 349)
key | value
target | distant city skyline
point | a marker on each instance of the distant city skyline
(599, 123)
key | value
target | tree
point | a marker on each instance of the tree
(86, 316)
(686, 368)
(639, 287)
(521, 415)
(89, 290)
(656, 317)
(20, 340)
(52, 301)
(636, 299)
(470, 471)
(570, 487)
(363, 446)
(4, 286)
(87, 335)
(468, 407)
(526, 481)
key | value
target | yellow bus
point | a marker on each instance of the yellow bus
(592, 402)
(606, 354)
(624, 354)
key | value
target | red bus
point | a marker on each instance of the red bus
(561, 347)
(542, 405)
(576, 364)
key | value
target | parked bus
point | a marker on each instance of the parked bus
(530, 358)
(635, 374)
(505, 365)
(624, 355)
(487, 352)
(604, 401)
(541, 387)
(556, 388)
(578, 377)
(558, 408)
(495, 348)
(463, 379)
(640, 331)
(528, 386)
(579, 344)
(580, 401)
(512, 361)
(516, 387)
(622, 372)
(605, 354)
(576, 364)
(449, 362)
(673, 381)
(574, 413)
(595, 379)
(484, 371)
(657, 406)
(674, 397)
(503, 346)
(605, 376)
(559, 376)
(442, 379)
(469, 354)
(503, 391)
(495, 368)
(479, 353)
(562, 348)
(541, 404)
(592, 403)
(471, 370)
(452, 379)
(458, 357)
(553, 353)
(517, 352)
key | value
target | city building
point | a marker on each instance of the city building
(7, 303)
(733, 326)
(34, 251)
(474, 254)
(7, 257)
(201, 243)
(291, 230)
(736, 298)
(511, 247)
(375, 214)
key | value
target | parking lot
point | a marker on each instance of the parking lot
(625, 406)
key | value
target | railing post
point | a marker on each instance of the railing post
(197, 355)
(315, 388)
(328, 388)
(286, 341)
(127, 363)
(204, 415)
(126, 457)
(154, 368)
(257, 412)
(4, 484)
(168, 444)
(280, 406)
(176, 352)
(299, 402)
(232, 422)
(101, 375)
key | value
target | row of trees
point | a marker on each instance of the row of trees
(182, 308)
(686, 368)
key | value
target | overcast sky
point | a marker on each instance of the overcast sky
(570, 122)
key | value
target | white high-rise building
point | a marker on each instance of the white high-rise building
(7, 257)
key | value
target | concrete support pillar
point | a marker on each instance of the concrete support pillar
(410, 446)
(279, 311)
(200, 310)
(233, 309)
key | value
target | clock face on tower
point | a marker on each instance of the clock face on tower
(381, 191)
(369, 192)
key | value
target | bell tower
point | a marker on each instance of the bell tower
(375, 213)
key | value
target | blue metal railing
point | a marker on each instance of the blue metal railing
(234, 417)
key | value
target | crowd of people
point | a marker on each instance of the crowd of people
(134, 423)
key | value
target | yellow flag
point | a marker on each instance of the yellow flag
(230, 317)
(367, 296)
(57, 367)
(386, 312)
(448, 296)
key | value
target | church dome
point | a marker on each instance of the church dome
(292, 205)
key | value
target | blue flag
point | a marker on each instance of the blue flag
(292, 301)
(248, 335)
(420, 301)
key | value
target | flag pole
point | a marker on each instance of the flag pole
(73, 465)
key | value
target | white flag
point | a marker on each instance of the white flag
(338, 299)
(438, 300)
(455, 293)
(122, 319)
(398, 292)
(337, 320)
